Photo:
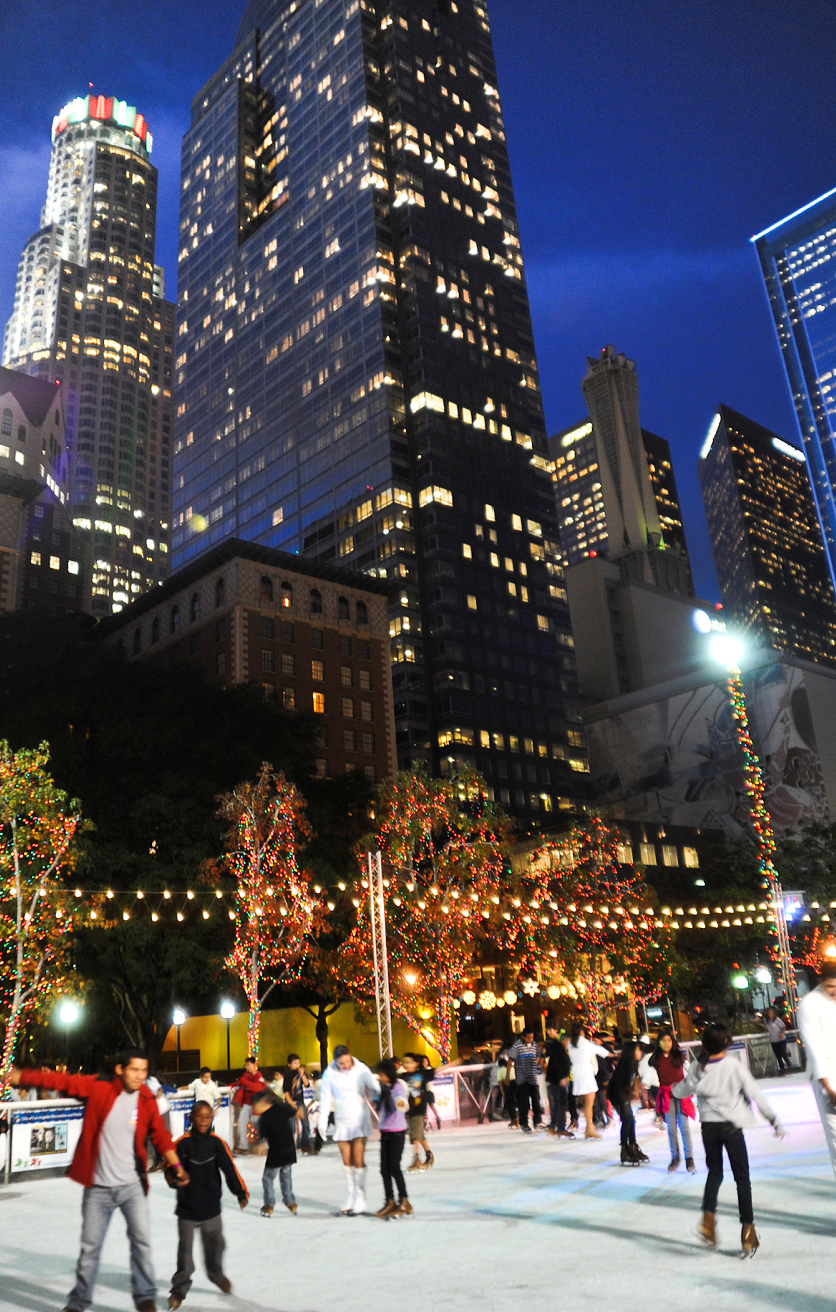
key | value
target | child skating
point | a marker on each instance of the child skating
(725, 1090)
(205, 1157)
(621, 1090)
(277, 1124)
(393, 1107)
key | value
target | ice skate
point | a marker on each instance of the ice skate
(676, 1162)
(641, 1157)
(428, 1161)
(707, 1230)
(749, 1241)
(348, 1206)
(174, 1300)
(359, 1207)
(225, 1285)
(628, 1156)
(415, 1165)
(291, 1207)
(404, 1208)
(690, 1166)
(266, 1211)
(387, 1209)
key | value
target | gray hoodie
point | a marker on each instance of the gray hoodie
(725, 1091)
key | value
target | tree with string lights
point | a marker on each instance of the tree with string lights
(37, 827)
(277, 913)
(583, 913)
(444, 848)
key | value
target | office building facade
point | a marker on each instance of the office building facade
(354, 365)
(581, 511)
(798, 261)
(89, 312)
(765, 536)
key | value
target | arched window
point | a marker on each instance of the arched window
(155, 629)
(362, 613)
(343, 613)
(287, 596)
(6, 427)
(219, 593)
(137, 641)
(175, 618)
(194, 607)
(316, 601)
(266, 590)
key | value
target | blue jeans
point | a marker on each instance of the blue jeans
(676, 1116)
(97, 1207)
(268, 1180)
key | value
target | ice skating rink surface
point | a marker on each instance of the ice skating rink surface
(503, 1222)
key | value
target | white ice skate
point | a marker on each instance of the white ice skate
(347, 1208)
(359, 1191)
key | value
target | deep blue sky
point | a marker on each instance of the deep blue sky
(649, 140)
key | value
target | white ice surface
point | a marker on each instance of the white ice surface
(503, 1222)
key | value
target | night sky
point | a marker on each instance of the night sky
(648, 142)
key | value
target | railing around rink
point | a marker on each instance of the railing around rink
(755, 1051)
(42, 1136)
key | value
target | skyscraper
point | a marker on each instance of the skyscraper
(90, 312)
(580, 496)
(355, 374)
(766, 539)
(798, 261)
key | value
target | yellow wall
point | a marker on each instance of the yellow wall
(290, 1029)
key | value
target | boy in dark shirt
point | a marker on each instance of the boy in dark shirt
(199, 1202)
(558, 1075)
(277, 1127)
(296, 1081)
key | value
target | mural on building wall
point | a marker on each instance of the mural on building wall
(677, 761)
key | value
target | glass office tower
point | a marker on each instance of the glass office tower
(354, 364)
(89, 312)
(798, 261)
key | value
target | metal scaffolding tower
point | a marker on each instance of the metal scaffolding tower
(377, 916)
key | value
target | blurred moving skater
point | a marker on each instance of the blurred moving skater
(817, 1020)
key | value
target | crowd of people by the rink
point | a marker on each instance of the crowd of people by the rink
(591, 1079)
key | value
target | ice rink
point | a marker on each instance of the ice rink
(502, 1222)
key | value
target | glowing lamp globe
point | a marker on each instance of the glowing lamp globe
(68, 1013)
(701, 621)
(762, 975)
(727, 649)
(178, 1016)
(227, 1011)
(740, 982)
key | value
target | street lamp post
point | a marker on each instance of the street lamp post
(727, 649)
(227, 1012)
(179, 1018)
(68, 1014)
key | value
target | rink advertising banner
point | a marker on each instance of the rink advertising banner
(445, 1096)
(44, 1136)
(182, 1104)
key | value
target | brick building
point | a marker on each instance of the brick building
(313, 635)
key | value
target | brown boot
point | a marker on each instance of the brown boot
(749, 1241)
(707, 1230)
(387, 1209)
(404, 1208)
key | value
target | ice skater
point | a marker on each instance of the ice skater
(725, 1090)
(668, 1060)
(394, 1105)
(205, 1157)
(817, 1019)
(776, 1028)
(345, 1086)
(622, 1088)
(277, 1124)
(110, 1162)
(415, 1080)
(429, 1075)
(584, 1055)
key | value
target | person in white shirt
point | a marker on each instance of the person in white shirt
(204, 1089)
(817, 1021)
(346, 1086)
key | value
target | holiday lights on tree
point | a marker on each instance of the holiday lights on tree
(277, 914)
(582, 912)
(37, 828)
(444, 852)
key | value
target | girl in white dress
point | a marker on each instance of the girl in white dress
(345, 1084)
(584, 1057)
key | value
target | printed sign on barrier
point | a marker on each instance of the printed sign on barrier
(45, 1137)
(445, 1096)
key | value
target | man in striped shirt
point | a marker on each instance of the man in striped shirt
(527, 1059)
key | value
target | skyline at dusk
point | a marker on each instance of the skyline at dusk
(645, 152)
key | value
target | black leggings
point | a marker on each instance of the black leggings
(628, 1122)
(391, 1151)
(717, 1135)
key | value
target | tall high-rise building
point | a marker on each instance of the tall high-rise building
(798, 261)
(354, 365)
(581, 510)
(766, 540)
(90, 312)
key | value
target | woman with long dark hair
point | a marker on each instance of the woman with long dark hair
(392, 1108)
(670, 1064)
(725, 1091)
(620, 1091)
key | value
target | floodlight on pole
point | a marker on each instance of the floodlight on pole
(179, 1018)
(227, 1012)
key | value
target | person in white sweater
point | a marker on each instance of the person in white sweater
(725, 1091)
(345, 1084)
(817, 1021)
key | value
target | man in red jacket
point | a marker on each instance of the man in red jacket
(247, 1087)
(110, 1162)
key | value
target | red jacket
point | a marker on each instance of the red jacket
(100, 1096)
(248, 1086)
